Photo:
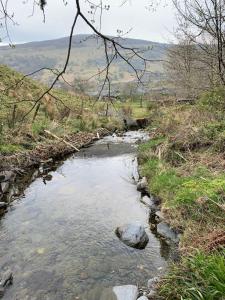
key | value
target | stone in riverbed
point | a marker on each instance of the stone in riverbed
(147, 201)
(152, 283)
(7, 176)
(6, 278)
(4, 187)
(165, 231)
(2, 291)
(142, 185)
(126, 292)
(3, 205)
(133, 235)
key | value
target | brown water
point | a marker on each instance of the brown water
(59, 238)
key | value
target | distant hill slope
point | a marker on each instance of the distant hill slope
(87, 57)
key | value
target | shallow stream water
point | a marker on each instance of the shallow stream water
(59, 238)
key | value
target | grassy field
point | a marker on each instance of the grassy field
(184, 163)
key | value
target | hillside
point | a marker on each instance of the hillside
(22, 119)
(87, 57)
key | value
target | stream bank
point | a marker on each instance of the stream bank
(183, 163)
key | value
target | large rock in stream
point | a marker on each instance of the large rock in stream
(133, 235)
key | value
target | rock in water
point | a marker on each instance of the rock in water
(142, 185)
(3, 205)
(165, 231)
(152, 283)
(133, 235)
(4, 187)
(126, 292)
(6, 278)
(2, 291)
(143, 298)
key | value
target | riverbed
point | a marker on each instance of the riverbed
(59, 237)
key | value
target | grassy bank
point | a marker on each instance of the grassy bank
(184, 163)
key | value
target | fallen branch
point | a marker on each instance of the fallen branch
(61, 139)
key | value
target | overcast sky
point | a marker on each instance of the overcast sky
(145, 24)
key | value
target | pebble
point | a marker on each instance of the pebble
(6, 278)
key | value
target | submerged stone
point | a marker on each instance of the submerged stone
(133, 235)
(142, 185)
(126, 292)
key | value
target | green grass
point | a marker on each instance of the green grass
(178, 191)
(10, 149)
(198, 277)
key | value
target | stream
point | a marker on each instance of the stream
(59, 237)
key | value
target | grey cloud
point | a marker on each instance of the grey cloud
(145, 25)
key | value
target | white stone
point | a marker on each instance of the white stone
(143, 298)
(126, 292)
(147, 201)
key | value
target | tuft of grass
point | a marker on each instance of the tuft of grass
(6, 149)
(200, 276)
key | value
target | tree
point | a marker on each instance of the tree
(206, 21)
(186, 70)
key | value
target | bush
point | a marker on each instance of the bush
(215, 99)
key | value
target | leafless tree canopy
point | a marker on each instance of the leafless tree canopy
(202, 21)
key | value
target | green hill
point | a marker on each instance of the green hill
(87, 57)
